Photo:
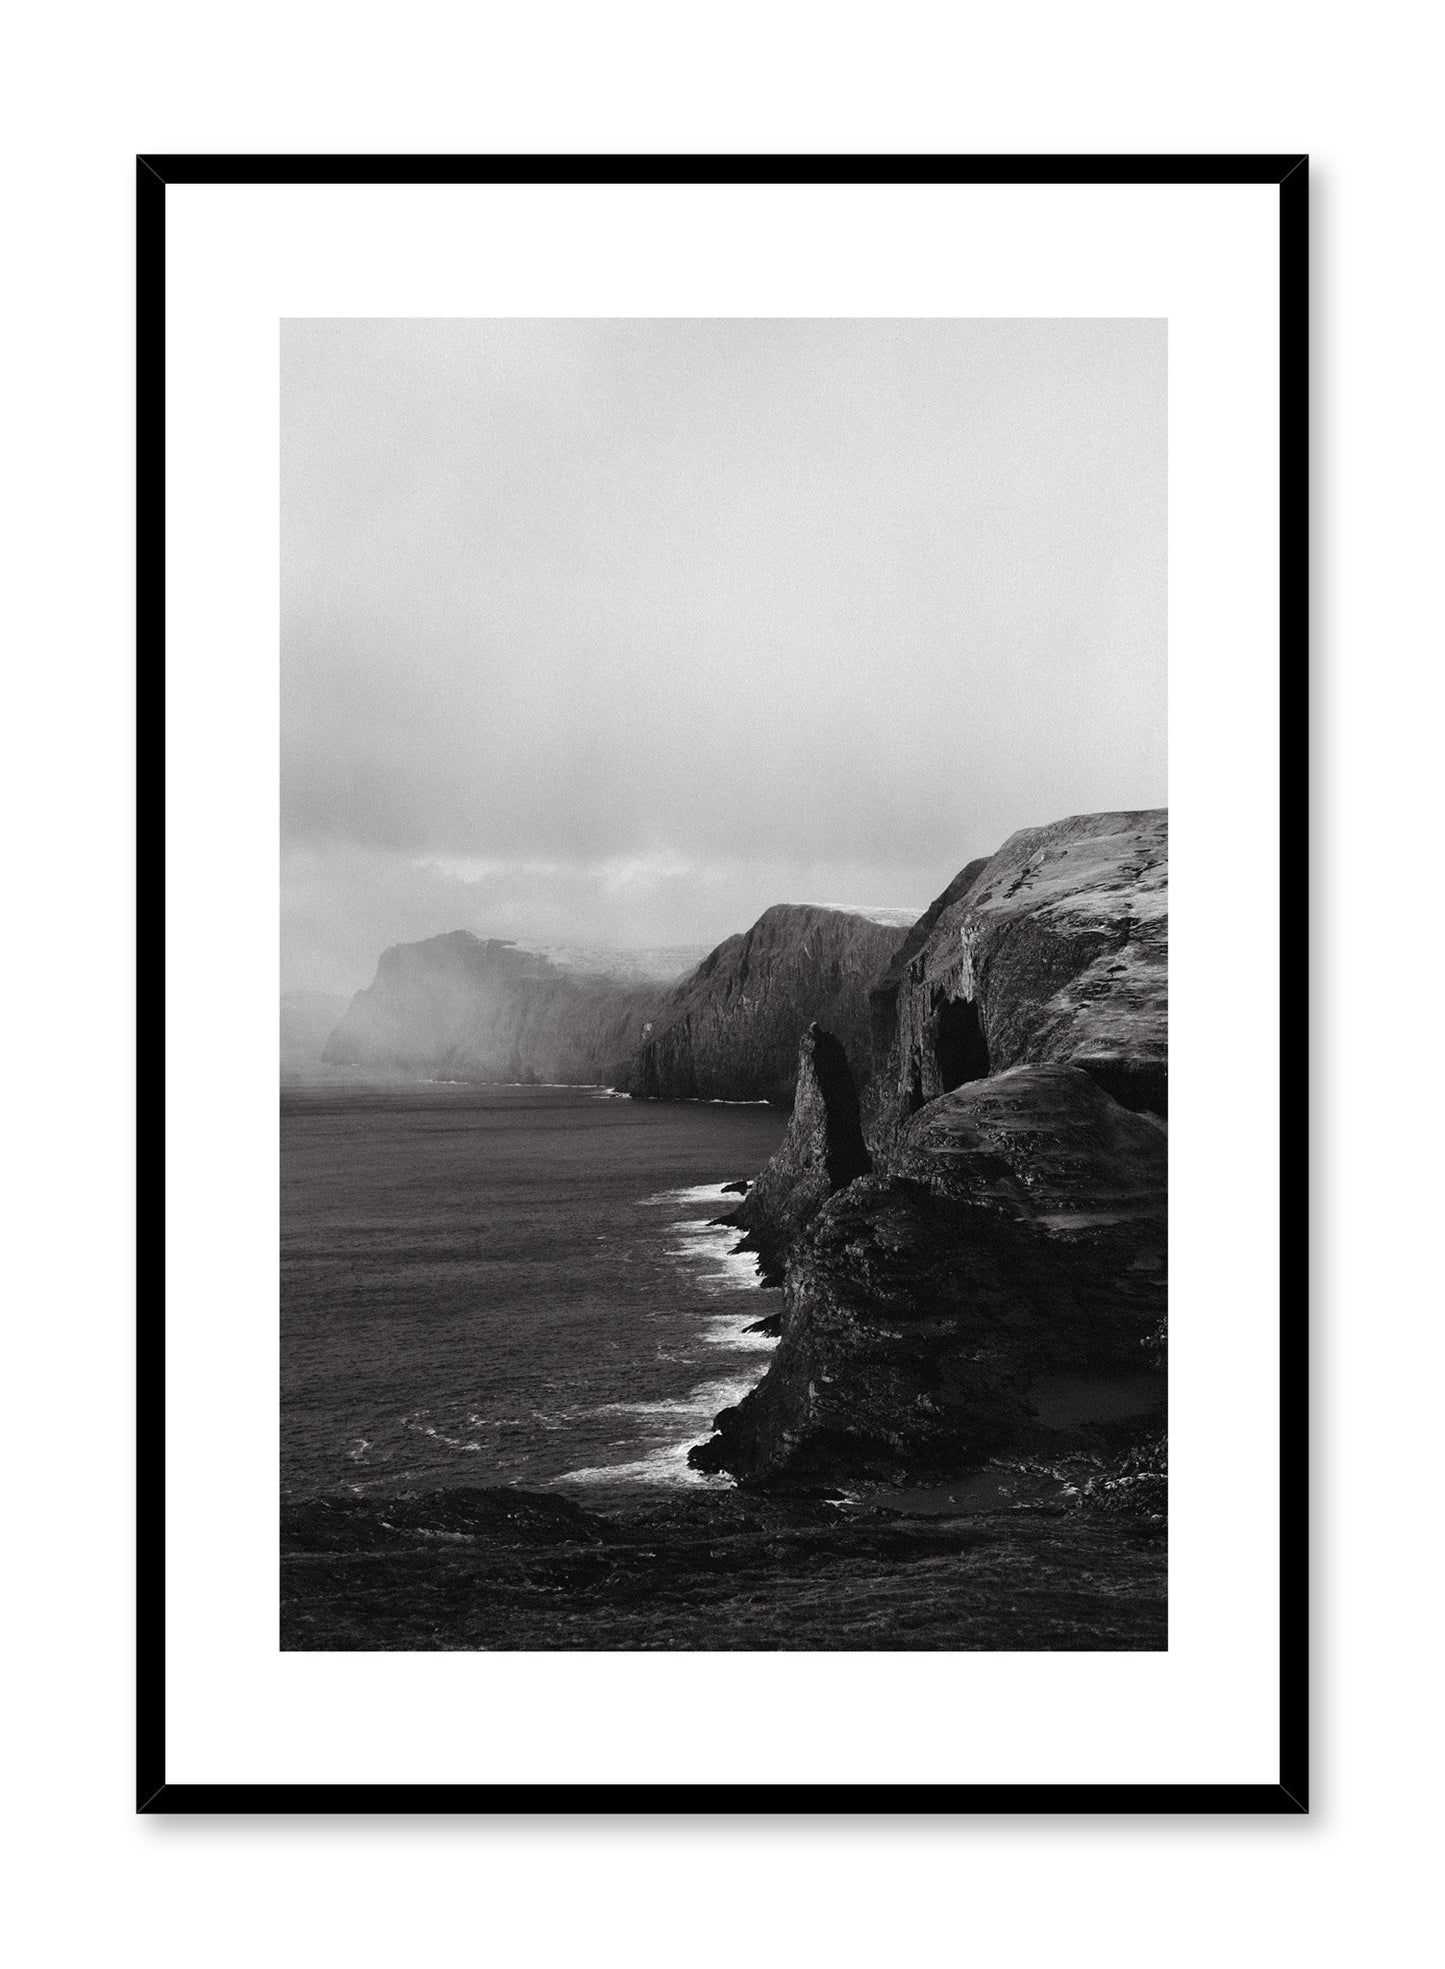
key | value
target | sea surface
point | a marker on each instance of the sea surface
(510, 1285)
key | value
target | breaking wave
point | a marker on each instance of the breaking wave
(705, 1251)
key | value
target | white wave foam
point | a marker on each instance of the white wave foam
(733, 1333)
(666, 1468)
(705, 1251)
(699, 1193)
(666, 1464)
(703, 1401)
(418, 1427)
(727, 1270)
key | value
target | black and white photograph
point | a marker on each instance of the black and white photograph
(724, 1018)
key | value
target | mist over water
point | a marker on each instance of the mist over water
(485, 1285)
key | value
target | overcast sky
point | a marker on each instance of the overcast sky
(619, 631)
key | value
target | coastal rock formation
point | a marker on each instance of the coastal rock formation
(821, 1153)
(1055, 950)
(472, 1010)
(730, 1031)
(993, 1289)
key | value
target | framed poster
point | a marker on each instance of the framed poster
(682, 674)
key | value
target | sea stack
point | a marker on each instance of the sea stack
(822, 1152)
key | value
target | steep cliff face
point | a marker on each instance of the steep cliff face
(458, 1006)
(731, 1031)
(1055, 950)
(1002, 1273)
(880, 1103)
(821, 1153)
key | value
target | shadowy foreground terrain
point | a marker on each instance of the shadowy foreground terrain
(713, 1570)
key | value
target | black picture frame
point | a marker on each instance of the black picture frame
(154, 1793)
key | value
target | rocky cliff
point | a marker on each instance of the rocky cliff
(461, 1007)
(730, 1031)
(993, 1291)
(993, 1282)
(1055, 950)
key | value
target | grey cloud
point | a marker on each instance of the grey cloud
(764, 603)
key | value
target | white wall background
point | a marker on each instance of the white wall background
(85, 87)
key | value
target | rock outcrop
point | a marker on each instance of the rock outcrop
(469, 1009)
(730, 1031)
(1054, 951)
(822, 1152)
(992, 1290)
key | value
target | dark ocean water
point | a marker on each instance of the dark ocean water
(487, 1285)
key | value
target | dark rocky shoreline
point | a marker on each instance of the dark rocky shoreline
(714, 1570)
